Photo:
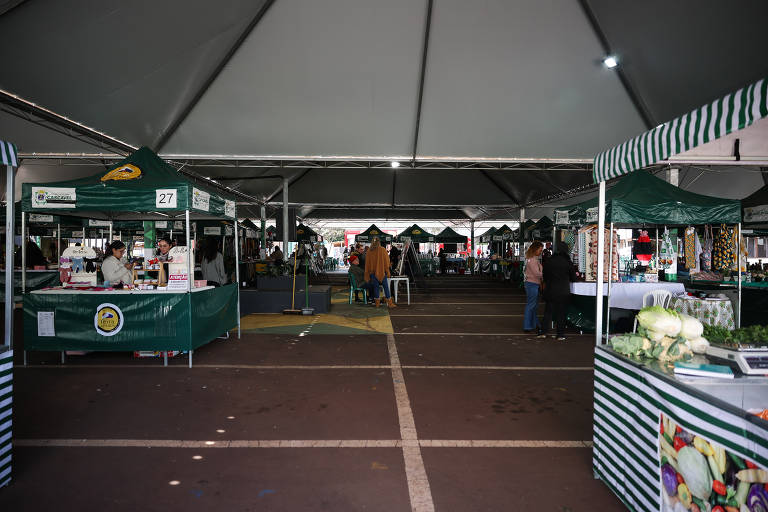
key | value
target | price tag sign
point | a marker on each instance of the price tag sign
(165, 198)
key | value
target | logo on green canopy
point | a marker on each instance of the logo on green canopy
(123, 173)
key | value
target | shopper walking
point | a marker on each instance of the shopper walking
(377, 271)
(558, 273)
(533, 274)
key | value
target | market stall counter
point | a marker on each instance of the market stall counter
(127, 320)
(652, 426)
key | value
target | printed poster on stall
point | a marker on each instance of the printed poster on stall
(698, 474)
(201, 200)
(53, 197)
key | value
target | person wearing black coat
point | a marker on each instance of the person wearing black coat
(558, 273)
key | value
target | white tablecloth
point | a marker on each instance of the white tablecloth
(626, 295)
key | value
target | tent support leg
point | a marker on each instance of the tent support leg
(190, 358)
(610, 280)
(9, 236)
(237, 275)
(738, 274)
(600, 265)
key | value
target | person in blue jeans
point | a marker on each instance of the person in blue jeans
(533, 274)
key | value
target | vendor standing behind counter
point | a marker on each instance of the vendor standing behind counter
(113, 268)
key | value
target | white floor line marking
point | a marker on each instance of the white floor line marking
(320, 367)
(415, 472)
(467, 303)
(215, 366)
(456, 314)
(464, 334)
(295, 443)
(501, 368)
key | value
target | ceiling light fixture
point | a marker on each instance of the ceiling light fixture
(610, 62)
(395, 164)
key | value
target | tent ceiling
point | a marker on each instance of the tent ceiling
(503, 79)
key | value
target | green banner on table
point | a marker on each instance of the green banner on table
(127, 322)
(35, 280)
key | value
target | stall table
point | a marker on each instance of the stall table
(127, 320)
(711, 311)
(624, 296)
(630, 399)
(35, 280)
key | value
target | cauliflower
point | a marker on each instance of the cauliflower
(690, 327)
(699, 345)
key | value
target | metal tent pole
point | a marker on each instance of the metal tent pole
(738, 274)
(58, 242)
(237, 275)
(109, 241)
(600, 265)
(23, 253)
(285, 219)
(610, 280)
(9, 236)
(264, 228)
(190, 268)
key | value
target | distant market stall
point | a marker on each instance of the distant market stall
(454, 244)
(163, 309)
(372, 232)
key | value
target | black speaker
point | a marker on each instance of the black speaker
(291, 224)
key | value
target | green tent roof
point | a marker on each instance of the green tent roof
(641, 198)
(487, 236)
(755, 208)
(142, 182)
(449, 236)
(307, 234)
(416, 234)
(371, 232)
(543, 226)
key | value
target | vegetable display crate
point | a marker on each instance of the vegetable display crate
(665, 443)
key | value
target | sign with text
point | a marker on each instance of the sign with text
(166, 198)
(53, 197)
(201, 200)
(229, 208)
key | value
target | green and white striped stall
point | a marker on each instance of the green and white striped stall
(629, 401)
(6, 397)
(726, 115)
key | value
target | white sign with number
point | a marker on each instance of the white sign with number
(212, 230)
(165, 198)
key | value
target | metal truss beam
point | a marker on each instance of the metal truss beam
(41, 116)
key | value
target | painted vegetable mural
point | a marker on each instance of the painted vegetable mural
(700, 475)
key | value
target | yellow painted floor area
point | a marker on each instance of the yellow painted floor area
(343, 318)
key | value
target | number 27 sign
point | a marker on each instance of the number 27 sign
(165, 198)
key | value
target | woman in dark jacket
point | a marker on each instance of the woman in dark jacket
(558, 274)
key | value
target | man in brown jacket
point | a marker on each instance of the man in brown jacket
(377, 271)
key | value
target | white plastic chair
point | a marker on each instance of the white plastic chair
(657, 297)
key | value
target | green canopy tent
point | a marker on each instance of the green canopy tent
(449, 236)
(641, 198)
(755, 211)
(416, 235)
(307, 235)
(487, 237)
(371, 232)
(516, 234)
(505, 232)
(140, 187)
(541, 229)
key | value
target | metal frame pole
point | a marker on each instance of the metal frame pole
(285, 219)
(9, 246)
(738, 274)
(610, 280)
(58, 242)
(23, 252)
(264, 230)
(109, 241)
(190, 268)
(600, 265)
(237, 275)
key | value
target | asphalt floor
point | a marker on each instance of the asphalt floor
(456, 410)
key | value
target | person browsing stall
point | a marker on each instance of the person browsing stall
(114, 270)
(377, 271)
(533, 275)
(558, 274)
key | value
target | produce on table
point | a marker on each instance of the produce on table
(663, 334)
(757, 499)
(752, 335)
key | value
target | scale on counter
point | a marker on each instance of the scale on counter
(751, 359)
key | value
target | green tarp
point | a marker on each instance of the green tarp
(416, 234)
(641, 198)
(505, 232)
(142, 182)
(542, 228)
(373, 231)
(449, 236)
